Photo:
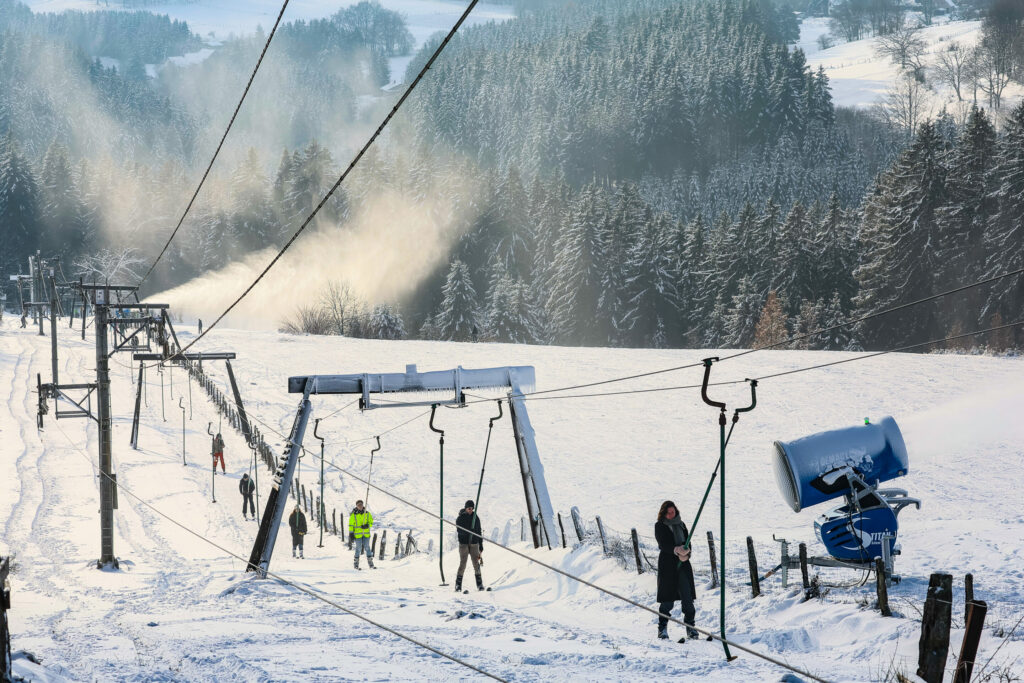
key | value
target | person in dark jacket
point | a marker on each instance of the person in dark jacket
(675, 575)
(246, 487)
(471, 545)
(297, 523)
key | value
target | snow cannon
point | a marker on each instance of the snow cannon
(848, 463)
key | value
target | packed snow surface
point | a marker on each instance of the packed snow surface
(181, 608)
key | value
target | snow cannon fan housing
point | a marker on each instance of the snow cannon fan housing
(848, 463)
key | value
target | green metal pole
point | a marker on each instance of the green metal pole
(320, 512)
(721, 438)
(440, 544)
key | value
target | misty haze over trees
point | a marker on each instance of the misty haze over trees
(650, 173)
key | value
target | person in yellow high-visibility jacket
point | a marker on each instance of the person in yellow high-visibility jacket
(360, 521)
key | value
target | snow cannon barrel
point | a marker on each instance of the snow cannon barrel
(811, 470)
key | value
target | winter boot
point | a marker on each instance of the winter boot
(663, 632)
(370, 560)
(479, 582)
(293, 552)
(458, 583)
(355, 563)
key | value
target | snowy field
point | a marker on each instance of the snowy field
(859, 77)
(181, 609)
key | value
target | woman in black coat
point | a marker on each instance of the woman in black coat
(675, 575)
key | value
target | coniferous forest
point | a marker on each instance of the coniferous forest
(644, 173)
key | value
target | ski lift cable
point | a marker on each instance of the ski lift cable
(350, 403)
(352, 164)
(219, 145)
(790, 340)
(714, 636)
(896, 350)
(530, 397)
(305, 589)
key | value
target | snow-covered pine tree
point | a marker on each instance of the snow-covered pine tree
(572, 301)
(1004, 240)
(834, 316)
(741, 320)
(652, 302)
(714, 326)
(386, 323)
(458, 315)
(766, 246)
(794, 266)
(20, 216)
(903, 262)
(510, 315)
(694, 304)
(60, 203)
(836, 252)
(252, 215)
(806, 322)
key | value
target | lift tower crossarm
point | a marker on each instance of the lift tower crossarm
(516, 379)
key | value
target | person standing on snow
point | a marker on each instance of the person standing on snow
(471, 545)
(218, 453)
(297, 523)
(246, 487)
(675, 575)
(360, 521)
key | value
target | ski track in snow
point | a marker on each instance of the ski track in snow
(182, 610)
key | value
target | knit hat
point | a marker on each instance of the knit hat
(469, 504)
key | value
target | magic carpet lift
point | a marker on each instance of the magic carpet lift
(457, 381)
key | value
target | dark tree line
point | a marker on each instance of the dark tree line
(132, 37)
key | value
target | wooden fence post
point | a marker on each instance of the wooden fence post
(561, 528)
(933, 647)
(976, 610)
(636, 551)
(714, 561)
(522, 529)
(968, 591)
(5, 634)
(577, 522)
(409, 543)
(600, 530)
(373, 545)
(383, 542)
(880, 588)
(803, 566)
(334, 520)
(398, 545)
(755, 583)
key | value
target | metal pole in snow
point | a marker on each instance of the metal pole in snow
(182, 406)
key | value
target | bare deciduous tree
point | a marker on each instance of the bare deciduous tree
(905, 104)
(342, 309)
(955, 68)
(904, 46)
(118, 266)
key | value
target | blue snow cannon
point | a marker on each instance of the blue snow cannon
(848, 463)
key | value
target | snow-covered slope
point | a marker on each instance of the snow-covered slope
(181, 609)
(859, 77)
